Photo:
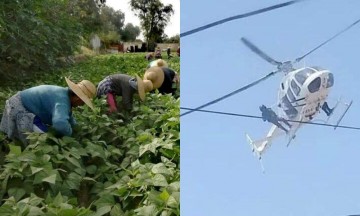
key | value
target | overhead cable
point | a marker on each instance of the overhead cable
(259, 117)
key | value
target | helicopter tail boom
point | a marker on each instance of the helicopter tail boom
(257, 146)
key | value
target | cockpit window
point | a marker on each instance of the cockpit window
(290, 95)
(317, 68)
(330, 81)
(288, 108)
(295, 87)
(314, 86)
(302, 75)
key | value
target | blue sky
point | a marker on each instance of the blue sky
(318, 174)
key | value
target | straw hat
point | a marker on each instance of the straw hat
(148, 85)
(159, 63)
(140, 87)
(85, 90)
(155, 75)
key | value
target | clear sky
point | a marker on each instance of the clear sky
(319, 173)
(171, 29)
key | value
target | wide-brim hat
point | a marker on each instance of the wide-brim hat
(148, 85)
(140, 87)
(159, 63)
(85, 90)
(155, 75)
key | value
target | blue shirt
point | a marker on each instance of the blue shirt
(52, 105)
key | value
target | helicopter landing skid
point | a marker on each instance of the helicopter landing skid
(342, 116)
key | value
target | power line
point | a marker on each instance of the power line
(230, 94)
(237, 17)
(259, 117)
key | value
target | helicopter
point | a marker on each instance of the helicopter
(302, 94)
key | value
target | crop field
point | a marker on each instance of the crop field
(118, 164)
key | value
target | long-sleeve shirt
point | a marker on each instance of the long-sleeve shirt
(52, 105)
(119, 84)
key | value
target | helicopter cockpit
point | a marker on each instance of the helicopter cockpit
(303, 74)
(286, 105)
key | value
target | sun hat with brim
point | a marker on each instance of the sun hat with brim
(159, 63)
(85, 90)
(140, 87)
(155, 75)
(148, 85)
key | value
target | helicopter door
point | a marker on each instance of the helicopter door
(296, 89)
(288, 108)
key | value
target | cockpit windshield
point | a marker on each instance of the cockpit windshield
(302, 75)
(288, 108)
(330, 81)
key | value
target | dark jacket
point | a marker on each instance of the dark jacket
(166, 87)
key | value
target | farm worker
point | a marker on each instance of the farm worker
(158, 53)
(125, 86)
(158, 62)
(168, 51)
(269, 115)
(149, 56)
(37, 108)
(164, 79)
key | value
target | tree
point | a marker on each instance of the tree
(112, 20)
(87, 14)
(154, 16)
(34, 34)
(130, 32)
(173, 39)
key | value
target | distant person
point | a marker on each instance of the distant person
(158, 53)
(164, 79)
(46, 106)
(125, 86)
(325, 107)
(168, 51)
(269, 115)
(149, 56)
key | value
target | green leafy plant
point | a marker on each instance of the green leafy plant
(119, 164)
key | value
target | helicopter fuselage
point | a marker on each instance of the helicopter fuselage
(304, 91)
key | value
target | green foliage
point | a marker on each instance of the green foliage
(120, 164)
(34, 34)
(173, 39)
(130, 32)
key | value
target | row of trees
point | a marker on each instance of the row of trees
(34, 34)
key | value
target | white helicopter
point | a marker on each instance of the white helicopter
(301, 95)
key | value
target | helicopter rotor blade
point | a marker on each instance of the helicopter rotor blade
(232, 93)
(256, 50)
(325, 42)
